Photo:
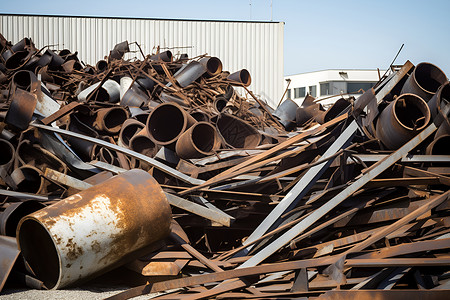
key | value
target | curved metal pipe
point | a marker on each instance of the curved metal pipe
(198, 141)
(439, 146)
(27, 179)
(110, 120)
(213, 65)
(236, 132)
(101, 65)
(339, 106)
(219, 104)
(200, 116)
(23, 79)
(165, 56)
(6, 157)
(189, 73)
(438, 107)
(401, 120)
(10, 217)
(141, 143)
(129, 128)
(242, 76)
(21, 109)
(167, 122)
(17, 60)
(286, 113)
(108, 92)
(95, 230)
(424, 81)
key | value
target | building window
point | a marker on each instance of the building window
(356, 87)
(325, 89)
(299, 92)
(313, 90)
(288, 94)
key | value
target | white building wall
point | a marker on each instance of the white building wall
(255, 46)
(338, 76)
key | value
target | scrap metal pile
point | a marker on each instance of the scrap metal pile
(161, 167)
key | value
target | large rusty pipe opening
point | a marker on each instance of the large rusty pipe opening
(401, 120)
(166, 123)
(203, 136)
(411, 113)
(143, 144)
(113, 119)
(6, 153)
(440, 146)
(40, 251)
(429, 77)
(30, 180)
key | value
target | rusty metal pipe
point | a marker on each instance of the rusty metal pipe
(144, 145)
(21, 109)
(401, 120)
(18, 60)
(165, 56)
(95, 230)
(110, 119)
(27, 179)
(23, 79)
(101, 65)
(439, 146)
(242, 76)
(424, 81)
(198, 141)
(438, 107)
(219, 103)
(189, 73)
(10, 217)
(213, 66)
(6, 157)
(129, 128)
(237, 133)
(167, 122)
(286, 112)
(108, 92)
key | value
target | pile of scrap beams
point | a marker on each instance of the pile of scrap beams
(171, 168)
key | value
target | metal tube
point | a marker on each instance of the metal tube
(440, 146)
(198, 141)
(110, 120)
(424, 81)
(108, 92)
(6, 157)
(95, 230)
(129, 128)
(167, 122)
(237, 133)
(165, 56)
(10, 217)
(286, 112)
(401, 120)
(213, 66)
(190, 73)
(242, 76)
(439, 108)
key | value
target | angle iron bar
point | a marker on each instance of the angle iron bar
(374, 171)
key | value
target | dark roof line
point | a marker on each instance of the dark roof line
(137, 18)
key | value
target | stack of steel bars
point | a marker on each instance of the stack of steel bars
(172, 170)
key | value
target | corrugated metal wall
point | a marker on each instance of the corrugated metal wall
(256, 46)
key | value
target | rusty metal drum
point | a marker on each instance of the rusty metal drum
(95, 230)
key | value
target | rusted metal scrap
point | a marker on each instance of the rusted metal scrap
(302, 201)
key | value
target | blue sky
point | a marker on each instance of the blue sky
(320, 34)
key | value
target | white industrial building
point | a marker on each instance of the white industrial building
(255, 46)
(324, 84)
